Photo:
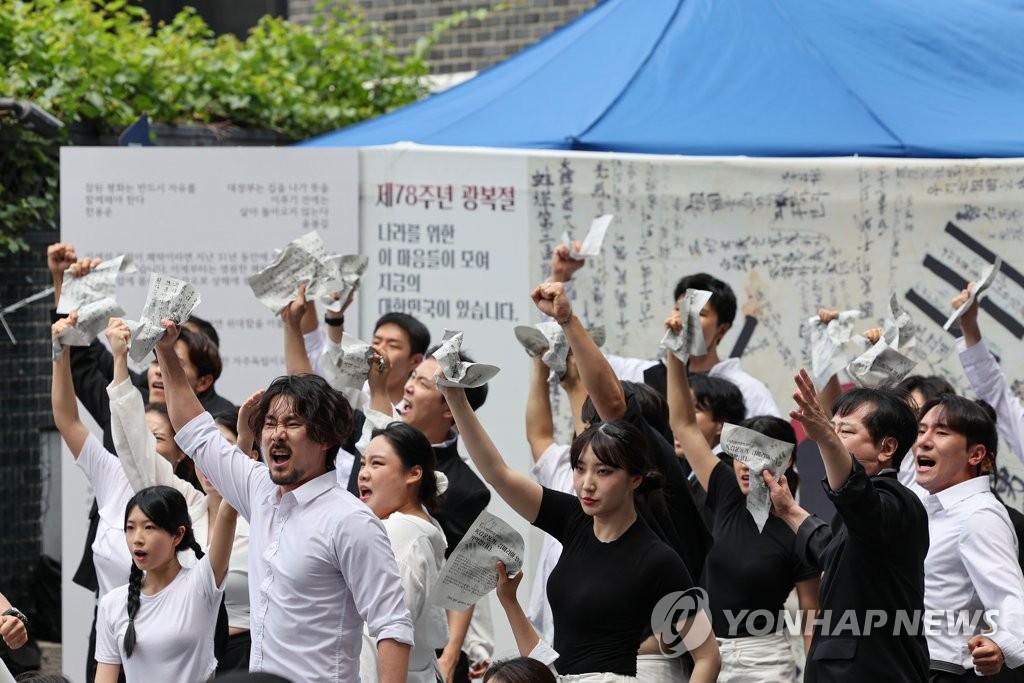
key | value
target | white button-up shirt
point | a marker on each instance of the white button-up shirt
(320, 564)
(972, 567)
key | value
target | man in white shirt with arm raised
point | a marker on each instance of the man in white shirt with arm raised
(320, 563)
(971, 568)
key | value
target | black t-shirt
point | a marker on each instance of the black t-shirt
(747, 570)
(602, 595)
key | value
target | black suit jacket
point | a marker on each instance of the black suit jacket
(874, 561)
(466, 498)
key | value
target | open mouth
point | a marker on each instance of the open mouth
(279, 454)
(406, 407)
(140, 555)
(364, 493)
(924, 463)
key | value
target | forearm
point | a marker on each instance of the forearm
(540, 428)
(182, 402)
(596, 373)
(65, 406)
(683, 422)
(837, 460)
(334, 332)
(134, 443)
(577, 397)
(296, 359)
(523, 631)
(458, 627)
(392, 661)
(521, 493)
(222, 539)
(107, 673)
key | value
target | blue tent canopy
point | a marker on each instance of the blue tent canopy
(898, 78)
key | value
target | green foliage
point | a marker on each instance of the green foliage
(102, 64)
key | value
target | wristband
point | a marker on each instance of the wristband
(16, 613)
(334, 322)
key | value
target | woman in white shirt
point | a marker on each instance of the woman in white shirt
(398, 482)
(160, 626)
(144, 440)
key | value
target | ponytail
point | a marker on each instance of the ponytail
(134, 589)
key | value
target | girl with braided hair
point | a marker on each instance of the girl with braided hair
(160, 626)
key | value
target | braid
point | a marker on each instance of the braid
(134, 588)
(196, 548)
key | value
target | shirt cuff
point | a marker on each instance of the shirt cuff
(543, 653)
(122, 390)
(807, 530)
(398, 632)
(852, 488)
(1011, 645)
(190, 432)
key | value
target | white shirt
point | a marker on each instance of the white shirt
(551, 471)
(143, 466)
(972, 565)
(110, 553)
(320, 564)
(173, 629)
(756, 396)
(990, 385)
(419, 548)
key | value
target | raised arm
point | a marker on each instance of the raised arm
(296, 359)
(682, 414)
(521, 493)
(59, 257)
(837, 460)
(62, 395)
(540, 428)
(573, 388)
(134, 443)
(222, 539)
(182, 403)
(523, 631)
(987, 379)
(596, 373)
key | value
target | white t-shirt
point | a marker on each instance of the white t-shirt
(173, 629)
(110, 553)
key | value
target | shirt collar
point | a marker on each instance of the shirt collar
(948, 498)
(453, 437)
(307, 492)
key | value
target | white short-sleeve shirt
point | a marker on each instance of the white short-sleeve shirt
(173, 629)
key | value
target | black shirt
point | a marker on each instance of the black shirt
(602, 595)
(747, 569)
(671, 513)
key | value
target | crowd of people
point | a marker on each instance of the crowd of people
(299, 534)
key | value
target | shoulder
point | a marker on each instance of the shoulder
(116, 599)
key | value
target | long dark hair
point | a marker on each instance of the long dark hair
(413, 448)
(519, 670)
(166, 508)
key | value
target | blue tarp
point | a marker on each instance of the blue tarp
(904, 78)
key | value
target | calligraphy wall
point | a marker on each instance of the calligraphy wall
(790, 236)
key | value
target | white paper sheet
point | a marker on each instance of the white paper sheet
(988, 274)
(898, 330)
(350, 362)
(305, 260)
(690, 340)
(759, 453)
(881, 365)
(99, 283)
(456, 372)
(591, 244)
(92, 319)
(168, 298)
(469, 572)
(350, 271)
(831, 345)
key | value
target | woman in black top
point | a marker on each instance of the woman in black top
(749, 573)
(613, 570)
